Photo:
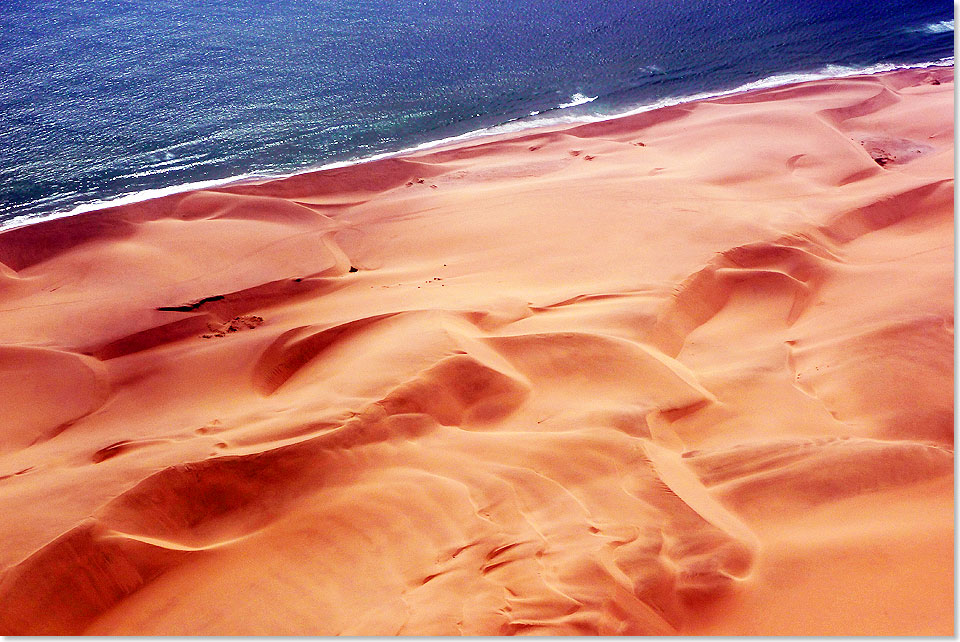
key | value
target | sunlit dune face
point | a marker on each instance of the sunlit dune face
(685, 372)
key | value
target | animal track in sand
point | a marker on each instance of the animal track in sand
(419, 181)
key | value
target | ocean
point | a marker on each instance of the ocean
(103, 100)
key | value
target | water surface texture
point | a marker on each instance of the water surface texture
(101, 99)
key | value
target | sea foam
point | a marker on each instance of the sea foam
(939, 27)
(537, 119)
(577, 99)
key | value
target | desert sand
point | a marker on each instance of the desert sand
(683, 372)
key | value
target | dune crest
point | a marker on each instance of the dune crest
(683, 372)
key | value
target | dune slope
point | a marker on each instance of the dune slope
(688, 371)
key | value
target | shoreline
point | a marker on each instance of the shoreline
(643, 376)
(506, 129)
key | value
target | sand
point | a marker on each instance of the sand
(683, 372)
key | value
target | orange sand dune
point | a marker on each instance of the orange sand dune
(688, 371)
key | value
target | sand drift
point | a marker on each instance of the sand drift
(688, 371)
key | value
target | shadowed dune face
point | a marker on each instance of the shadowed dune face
(687, 372)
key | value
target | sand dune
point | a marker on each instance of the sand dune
(683, 372)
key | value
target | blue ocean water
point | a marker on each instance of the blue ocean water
(106, 98)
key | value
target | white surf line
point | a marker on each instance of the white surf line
(770, 82)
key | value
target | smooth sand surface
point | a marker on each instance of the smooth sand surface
(688, 371)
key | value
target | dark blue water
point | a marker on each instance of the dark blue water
(103, 98)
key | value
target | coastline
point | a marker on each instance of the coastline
(516, 126)
(644, 375)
